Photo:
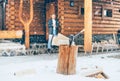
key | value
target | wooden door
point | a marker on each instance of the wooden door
(50, 9)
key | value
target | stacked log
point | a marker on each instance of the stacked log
(10, 15)
(13, 21)
(61, 15)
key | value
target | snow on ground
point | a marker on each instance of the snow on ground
(44, 68)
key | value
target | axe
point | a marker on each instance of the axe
(72, 37)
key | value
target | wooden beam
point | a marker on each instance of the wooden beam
(27, 22)
(88, 26)
(10, 34)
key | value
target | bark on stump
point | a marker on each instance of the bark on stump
(67, 59)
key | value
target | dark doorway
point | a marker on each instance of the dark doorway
(0, 17)
(2, 13)
(51, 8)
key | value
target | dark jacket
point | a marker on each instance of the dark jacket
(50, 26)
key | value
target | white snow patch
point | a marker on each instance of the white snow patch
(45, 68)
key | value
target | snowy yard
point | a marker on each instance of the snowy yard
(43, 68)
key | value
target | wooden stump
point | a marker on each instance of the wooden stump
(67, 59)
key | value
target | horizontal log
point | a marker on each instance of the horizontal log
(72, 29)
(71, 8)
(101, 3)
(73, 24)
(105, 26)
(96, 32)
(6, 34)
(69, 11)
(117, 25)
(71, 16)
(75, 29)
(106, 18)
(73, 21)
(105, 29)
(105, 22)
(68, 33)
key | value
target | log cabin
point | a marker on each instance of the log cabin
(99, 18)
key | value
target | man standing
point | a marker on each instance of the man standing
(53, 26)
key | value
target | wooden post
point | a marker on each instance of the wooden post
(88, 26)
(67, 59)
(26, 23)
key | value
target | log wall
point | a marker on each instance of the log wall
(73, 20)
(12, 17)
(106, 25)
(70, 18)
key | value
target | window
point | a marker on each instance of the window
(107, 12)
(98, 13)
(97, 10)
(71, 3)
(119, 11)
(81, 10)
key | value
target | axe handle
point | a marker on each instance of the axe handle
(79, 33)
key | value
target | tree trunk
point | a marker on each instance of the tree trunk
(67, 59)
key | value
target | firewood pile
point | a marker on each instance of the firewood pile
(38, 48)
(8, 48)
(96, 72)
